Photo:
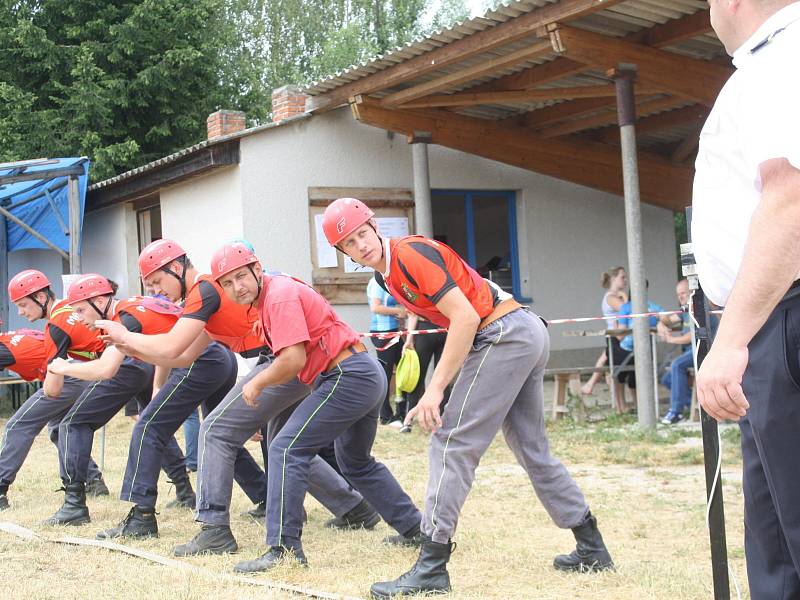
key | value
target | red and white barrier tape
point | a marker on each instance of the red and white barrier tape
(396, 335)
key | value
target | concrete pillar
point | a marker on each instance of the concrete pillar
(626, 111)
(423, 211)
(74, 226)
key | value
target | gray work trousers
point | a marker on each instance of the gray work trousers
(26, 423)
(230, 425)
(500, 385)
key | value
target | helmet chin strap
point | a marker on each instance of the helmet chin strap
(258, 282)
(181, 278)
(42, 306)
(103, 313)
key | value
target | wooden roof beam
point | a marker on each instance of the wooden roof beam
(696, 80)
(486, 67)
(520, 96)
(681, 116)
(585, 163)
(477, 43)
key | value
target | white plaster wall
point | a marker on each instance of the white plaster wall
(107, 247)
(568, 234)
(203, 213)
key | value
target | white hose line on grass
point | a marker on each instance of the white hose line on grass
(27, 534)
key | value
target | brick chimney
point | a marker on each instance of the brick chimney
(224, 122)
(287, 101)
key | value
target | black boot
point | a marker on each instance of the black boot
(428, 575)
(274, 556)
(96, 488)
(360, 516)
(212, 539)
(590, 554)
(74, 510)
(184, 494)
(4, 498)
(140, 523)
(413, 538)
(258, 512)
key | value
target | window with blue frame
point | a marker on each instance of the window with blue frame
(481, 225)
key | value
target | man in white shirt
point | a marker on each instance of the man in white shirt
(746, 236)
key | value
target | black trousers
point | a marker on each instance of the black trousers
(388, 359)
(429, 347)
(770, 452)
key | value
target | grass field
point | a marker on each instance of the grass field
(647, 491)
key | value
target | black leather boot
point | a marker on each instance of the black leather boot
(590, 553)
(274, 556)
(428, 575)
(184, 494)
(4, 498)
(74, 510)
(212, 539)
(413, 538)
(360, 516)
(96, 488)
(139, 523)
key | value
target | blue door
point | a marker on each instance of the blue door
(481, 225)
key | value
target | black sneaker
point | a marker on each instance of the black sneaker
(139, 523)
(258, 512)
(413, 538)
(273, 557)
(96, 488)
(360, 516)
(4, 505)
(211, 539)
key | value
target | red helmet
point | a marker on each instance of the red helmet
(230, 257)
(26, 283)
(343, 217)
(89, 286)
(158, 254)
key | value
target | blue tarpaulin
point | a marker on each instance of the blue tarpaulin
(48, 212)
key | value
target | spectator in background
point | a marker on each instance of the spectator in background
(386, 316)
(677, 377)
(615, 281)
(626, 347)
(429, 346)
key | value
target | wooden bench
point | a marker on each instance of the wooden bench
(569, 378)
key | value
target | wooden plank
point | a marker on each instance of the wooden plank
(603, 119)
(477, 43)
(681, 116)
(328, 194)
(687, 147)
(697, 80)
(520, 96)
(591, 164)
(674, 31)
(543, 117)
(482, 69)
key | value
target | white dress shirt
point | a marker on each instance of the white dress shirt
(756, 118)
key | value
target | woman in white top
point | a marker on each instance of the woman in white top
(615, 281)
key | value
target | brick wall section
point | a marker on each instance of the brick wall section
(287, 101)
(225, 122)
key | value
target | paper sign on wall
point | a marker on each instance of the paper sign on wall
(326, 254)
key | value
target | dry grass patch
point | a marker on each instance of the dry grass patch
(646, 489)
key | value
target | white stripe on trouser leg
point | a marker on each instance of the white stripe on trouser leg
(202, 441)
(455, 428)
(144, 430)
(66, 428)
(296, 437)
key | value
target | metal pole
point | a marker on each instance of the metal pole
(4, 274)
(74, 226)
(626, 112)
(654, 344)
(702, 334)
(423, 211)
(609, 344)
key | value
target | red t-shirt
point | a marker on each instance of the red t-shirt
(65, 335)
(22, 351)
(150, 316)
(422, 271)
(234, 325)
(292, 313)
